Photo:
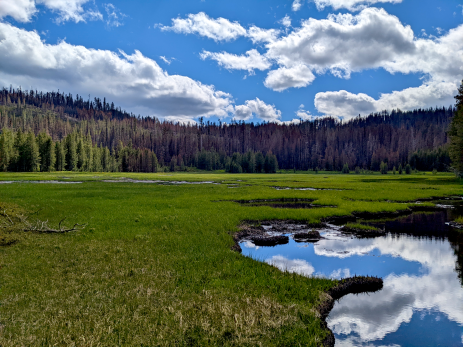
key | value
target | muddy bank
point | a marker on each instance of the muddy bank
(308, 188)
(283, 203)
(353, 285)
(165, 182)
(310, 236)
(363, 233)
(269, 233)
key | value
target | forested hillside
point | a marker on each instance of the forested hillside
(54, 131)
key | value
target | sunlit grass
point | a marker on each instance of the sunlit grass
(358, 226)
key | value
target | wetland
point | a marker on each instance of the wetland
(157, 264)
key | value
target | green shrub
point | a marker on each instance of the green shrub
(345, 169)
(383, 168)
(408, 169)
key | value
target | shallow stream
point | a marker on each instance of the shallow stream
(420, 260)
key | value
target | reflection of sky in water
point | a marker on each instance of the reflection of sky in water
(421, 303)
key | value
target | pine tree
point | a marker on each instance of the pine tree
(154, 163)
(345, 169)
(49, 156)
(81, 155)
(60, 153)
(106, 160)
(456, 134)
(71, 153)
(6, 149)
(383, 168)
(19, 147)
(408, 169)
(32, 154)
(260, 160)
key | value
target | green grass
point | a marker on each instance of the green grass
(154, 266)
(358, 226)
(459, 220)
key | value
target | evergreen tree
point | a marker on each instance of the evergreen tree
(48, 156)
(456, 134)
(32, 154)
(260, 161)
(60, 154)
(173, 163)
(19, 147)
(154, 163)
(408, 169)
(270, 163)
(345, 169)
(96, 159)
(383, 168)
(400, 169)
(71, 153)
(81, 155)
(47, 152)
(6, 149)
(106, 159)
(88, 154)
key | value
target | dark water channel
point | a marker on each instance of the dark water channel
(420, 260)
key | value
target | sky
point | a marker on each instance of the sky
(251, 60)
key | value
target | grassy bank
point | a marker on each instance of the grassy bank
(154, 266)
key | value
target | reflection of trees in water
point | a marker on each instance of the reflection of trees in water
(433, 225)
(456, 241)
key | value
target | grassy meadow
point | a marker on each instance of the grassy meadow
(154, 266)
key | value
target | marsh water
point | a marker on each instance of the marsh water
(420, 260)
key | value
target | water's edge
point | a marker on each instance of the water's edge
(352, 285)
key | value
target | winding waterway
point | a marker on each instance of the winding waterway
(420, 260)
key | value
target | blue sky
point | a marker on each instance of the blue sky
(245, 60)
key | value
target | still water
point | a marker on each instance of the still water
(420, 261)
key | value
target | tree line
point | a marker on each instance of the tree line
(395, 138)
(25, 152)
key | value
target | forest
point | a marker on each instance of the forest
(48, 131)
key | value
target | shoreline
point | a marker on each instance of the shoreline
(351, 285)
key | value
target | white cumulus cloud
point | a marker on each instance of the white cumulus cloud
(250, 61)
(297, 4)
(20, 10)
(294, 77)
(286, 21)
(243, 112)
(348, 105)
(259, 109)
(258, 35)
(351, 5)
(67, 10)
(137, 82)
(219, 29)
(344, 43)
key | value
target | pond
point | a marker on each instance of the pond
(420, 260)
